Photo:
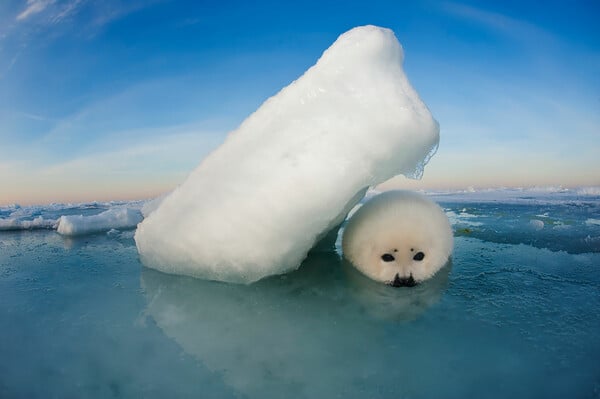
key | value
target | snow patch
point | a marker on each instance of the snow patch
(536, 224)
(462, 219)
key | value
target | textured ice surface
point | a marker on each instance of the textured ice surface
(295, 167)
(515, 315)
(558, 226)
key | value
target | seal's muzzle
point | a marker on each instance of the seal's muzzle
(403, 281)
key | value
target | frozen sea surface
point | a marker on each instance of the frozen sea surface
(516, 314)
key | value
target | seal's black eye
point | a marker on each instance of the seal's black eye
(387, 258)
(419, 256)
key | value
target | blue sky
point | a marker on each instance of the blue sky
(115, 99)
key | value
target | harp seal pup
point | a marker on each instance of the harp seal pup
(400, 238)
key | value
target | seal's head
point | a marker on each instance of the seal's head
(398, 237)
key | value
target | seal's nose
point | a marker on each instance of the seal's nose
(403, 281)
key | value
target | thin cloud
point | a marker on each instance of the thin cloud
(140, 168)
(41, 17)
(69, 9)
(175, 153)
(34, 7)
(106, 12)
(10, 65)
(34, 117)
(510, 27)
(103, 11)
(54, 12)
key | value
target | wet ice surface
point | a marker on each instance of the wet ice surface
(559, 222)
(516, 314)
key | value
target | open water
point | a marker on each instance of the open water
(515, 314)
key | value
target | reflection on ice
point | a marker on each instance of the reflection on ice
(403, 303)
(514, 321)
(283, 333)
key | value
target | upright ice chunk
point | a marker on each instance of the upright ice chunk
(295, 167)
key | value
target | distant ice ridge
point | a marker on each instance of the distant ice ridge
(538, 195)
(73, 219)
(15, 217)
(295, 167)
(115, 218)
(589, 191)
(36, 223)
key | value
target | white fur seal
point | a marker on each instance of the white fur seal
(398, 237)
